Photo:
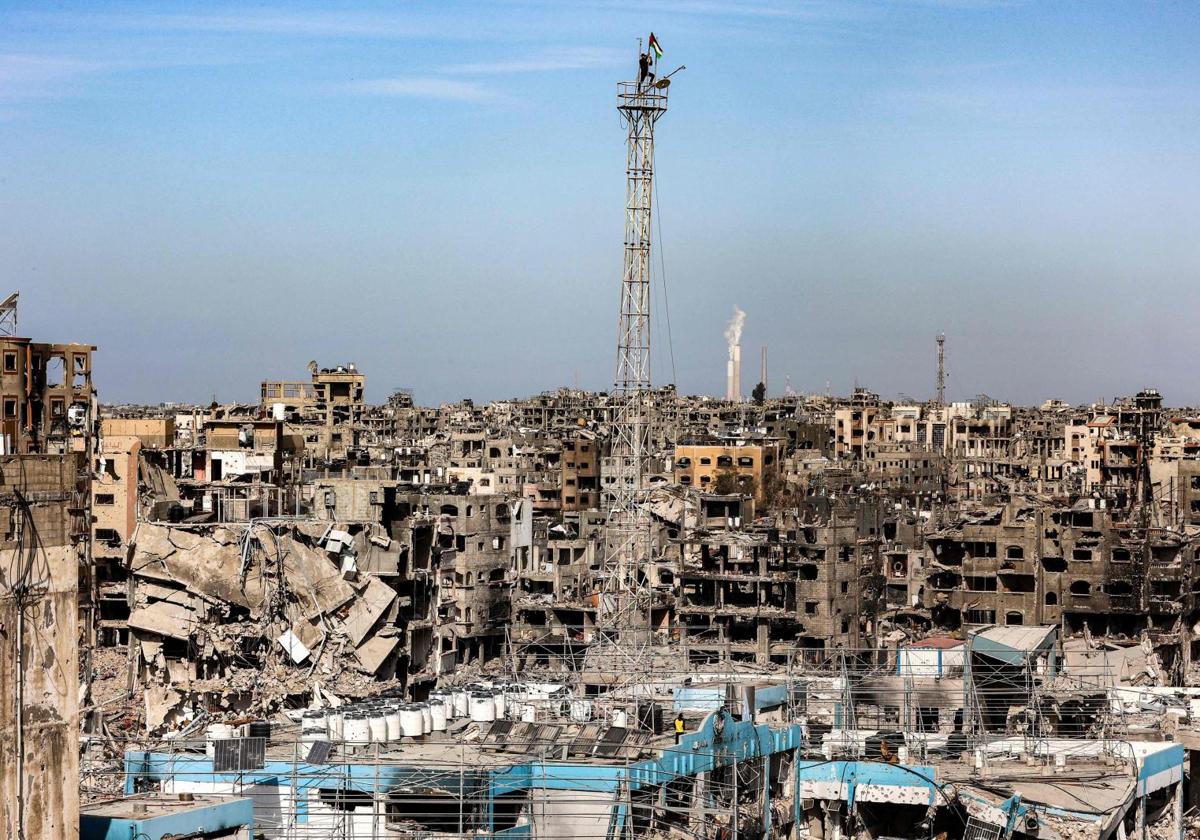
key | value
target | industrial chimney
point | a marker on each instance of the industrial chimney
(733, 368)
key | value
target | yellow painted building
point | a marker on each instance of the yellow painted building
(698, 465)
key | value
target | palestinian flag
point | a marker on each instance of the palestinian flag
(654, 46)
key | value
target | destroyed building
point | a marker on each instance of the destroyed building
(47, 588)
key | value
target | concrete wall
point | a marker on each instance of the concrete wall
(118, 479)
(48, 566)
(153, 432)
(584, 815)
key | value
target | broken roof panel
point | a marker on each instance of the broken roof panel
(367, 610)
(1014, 644)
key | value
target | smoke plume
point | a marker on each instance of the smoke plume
(733, 332)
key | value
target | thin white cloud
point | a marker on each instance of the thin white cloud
(561, 58)
(25, 76)
(266, 21)
(454, 90)
(828, 10)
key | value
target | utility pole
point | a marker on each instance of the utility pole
(627, 532)
(941, 373)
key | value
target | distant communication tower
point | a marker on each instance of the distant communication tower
(8, 314)
(941, 375)
(627, 534)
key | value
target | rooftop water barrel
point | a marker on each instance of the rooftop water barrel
(395, 727)
(356, 727)
(412, 722)
(437, 715)
(483, 707)
(378, 725)
(336, 724)
(216, 732)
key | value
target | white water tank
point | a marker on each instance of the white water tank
(483, 707)
(278, 411)
(581, 710)
(336, 725)
(412, 722)
(501, 703)
(446, 699)
(462, 703)
(313, 727)
(529, 713)
(426, 718)
(620, 718)
(395, 727)
(216, 732)
(437, 716)
(356, 728)
(378, 724)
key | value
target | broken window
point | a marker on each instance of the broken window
(10, 363)
(1081, 587)
(80, 379)
(981, 617)
(1054, 564)
(56, 367)
(105, 499)
(10, 407)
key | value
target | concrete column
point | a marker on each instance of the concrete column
(1177, 811)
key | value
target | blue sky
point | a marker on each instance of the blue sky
(217, 194)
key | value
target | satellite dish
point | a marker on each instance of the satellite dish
(662, 84)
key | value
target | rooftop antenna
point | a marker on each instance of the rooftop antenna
(8, 314)
(941, 373)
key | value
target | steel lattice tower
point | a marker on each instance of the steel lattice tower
(627, 535)
(941, 372)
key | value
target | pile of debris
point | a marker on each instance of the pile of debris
(256, 618)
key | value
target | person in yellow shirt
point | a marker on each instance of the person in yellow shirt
(678, 726)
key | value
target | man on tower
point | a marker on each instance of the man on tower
(644, 71)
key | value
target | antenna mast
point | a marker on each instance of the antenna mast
(941, 374)
(8, 314)
(627, 533)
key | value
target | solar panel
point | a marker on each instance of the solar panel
(546, 737)
(319, 752)
(498, 734)
(609, 746)
(520, 737)
(237, 755)
(585, 740)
